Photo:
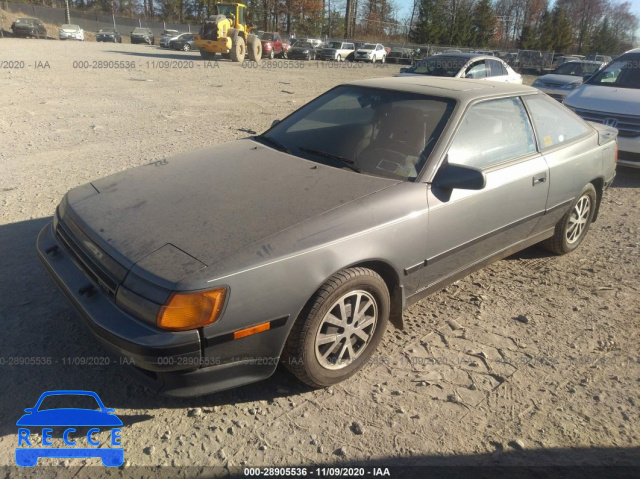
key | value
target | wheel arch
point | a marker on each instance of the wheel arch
(598, 184)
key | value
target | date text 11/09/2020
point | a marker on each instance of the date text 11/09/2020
(317, 471)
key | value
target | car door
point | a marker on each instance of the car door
(470, 227)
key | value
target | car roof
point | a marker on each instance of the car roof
(460, 89)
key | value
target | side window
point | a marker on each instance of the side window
(495, 68)
(492, 132)
(476, 70)
(553, 123)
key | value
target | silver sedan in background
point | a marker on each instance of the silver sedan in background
(299, 245)
(566, 78)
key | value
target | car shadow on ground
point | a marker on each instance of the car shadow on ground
(627, 177)
(45, 346)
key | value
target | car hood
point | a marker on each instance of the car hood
(560, 79)
(212, 203)
(605, 98)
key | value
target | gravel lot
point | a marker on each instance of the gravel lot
(465, 382)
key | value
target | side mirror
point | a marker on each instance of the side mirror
(274, 123)
(459, 176)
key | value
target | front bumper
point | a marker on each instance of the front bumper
(70, 36)
(171, 363)
(629, 151)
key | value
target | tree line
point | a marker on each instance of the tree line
(571, 26)
(576, 26)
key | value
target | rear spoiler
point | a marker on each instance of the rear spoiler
(605, 133)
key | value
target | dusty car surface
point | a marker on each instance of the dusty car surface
(299, 245)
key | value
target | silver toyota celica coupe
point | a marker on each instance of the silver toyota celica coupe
(299, 245)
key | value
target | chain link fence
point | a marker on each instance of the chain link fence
(92, 22)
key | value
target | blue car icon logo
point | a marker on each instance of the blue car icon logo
(98, 420)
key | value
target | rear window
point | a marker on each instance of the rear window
(553, 123)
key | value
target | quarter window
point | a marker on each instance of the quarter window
(477, 70)
(491, 133)
(553, 123)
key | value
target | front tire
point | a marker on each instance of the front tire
(574, 225)
(339, 328)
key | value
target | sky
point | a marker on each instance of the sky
(405, 7)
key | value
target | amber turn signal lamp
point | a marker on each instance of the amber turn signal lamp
(185, 311)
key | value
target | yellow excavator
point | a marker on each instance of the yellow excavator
(227, 33)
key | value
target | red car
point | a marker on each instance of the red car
(273, 45)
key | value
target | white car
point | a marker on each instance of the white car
(371, 52)
(73, 32)
(566, 78)
(464, 65)
(612, 97)
(338, 51)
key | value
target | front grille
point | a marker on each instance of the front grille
(628, 125)
(107, 281)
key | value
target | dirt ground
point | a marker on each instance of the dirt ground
(466, 383)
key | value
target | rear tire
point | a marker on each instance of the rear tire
(339, 328)
(574, 225)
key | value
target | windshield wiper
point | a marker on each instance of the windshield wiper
(345, 161)
(274, 143)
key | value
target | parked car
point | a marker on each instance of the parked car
(184, 42)
(315, 41)
(167, 36)
(464, 65)
(143, 35)
(338, 51)
(68, 31)
(598, 58)
(273, 45)
(612, 97)
(566, 58)
(401, 55)
(29, 27)
(108, 35)
(566, 78)
(360, 203)
(303, 50)
(371, 52)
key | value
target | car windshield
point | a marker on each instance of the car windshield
(70, 27)
(140, 30)
(372, 131)
(622, 73)
(25, 21)
(107, 30)
(439, 66)
(65, 401)
(334, 45)
(576, 68)
(185, 36)
(266, 36)
(368, 46)
(303, 45)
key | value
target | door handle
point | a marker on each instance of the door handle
(541, 178)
